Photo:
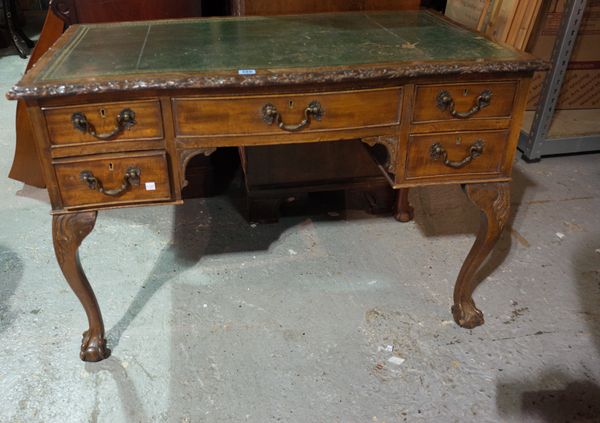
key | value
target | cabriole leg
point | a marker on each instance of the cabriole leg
(493, 199)
(68, 231)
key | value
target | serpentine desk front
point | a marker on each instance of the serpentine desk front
(118, 110)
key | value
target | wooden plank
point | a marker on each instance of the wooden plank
(467, 12)
(483, 16)
(534, 17)
(500, 24)
(523, 22)
(515, 21)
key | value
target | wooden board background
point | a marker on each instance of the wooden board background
(270, 7)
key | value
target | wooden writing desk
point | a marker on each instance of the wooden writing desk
(118, 110)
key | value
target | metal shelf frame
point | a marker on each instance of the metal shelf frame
(536, 143)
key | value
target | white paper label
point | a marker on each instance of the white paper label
(150, 186)
(247, 72)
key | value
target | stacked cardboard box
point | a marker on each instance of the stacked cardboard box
(581, 89)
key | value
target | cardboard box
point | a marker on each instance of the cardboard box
(581, 88)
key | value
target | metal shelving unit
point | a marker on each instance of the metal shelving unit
(536, 143)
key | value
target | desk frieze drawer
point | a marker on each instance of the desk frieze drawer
(464, 101)
(279, 114)
(104, 123)
(456, 154)
(113, 179)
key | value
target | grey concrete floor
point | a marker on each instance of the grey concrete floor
(211, 319)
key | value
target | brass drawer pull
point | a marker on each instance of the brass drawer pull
(271, 115)
(445, 102)
(125, 119)
(131, 178)
(438, 152)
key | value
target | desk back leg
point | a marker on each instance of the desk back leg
(68, 231)
(404, 211)
(493, 199)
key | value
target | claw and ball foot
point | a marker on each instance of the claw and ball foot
(493, 200)
(68, 232)
(467, 315)
(93, 347)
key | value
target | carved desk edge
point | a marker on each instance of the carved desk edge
(29, 87)
(266, 78)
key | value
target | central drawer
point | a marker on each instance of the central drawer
(277, 114)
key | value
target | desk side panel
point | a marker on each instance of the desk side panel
(43, 146)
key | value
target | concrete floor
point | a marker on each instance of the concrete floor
(211, 319)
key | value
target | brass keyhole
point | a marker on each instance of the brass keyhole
(466, 92)
(291, 104)
(103, 113)
(458, 140)
(111, 166)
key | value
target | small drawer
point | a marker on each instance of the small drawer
(454, 154)
(445, 102)
(113, 178)
(280, 114)
(131, 120)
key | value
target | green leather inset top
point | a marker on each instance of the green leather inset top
(267, 43)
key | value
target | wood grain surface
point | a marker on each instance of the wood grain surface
(110, 170)
(464, 96)
(420, 164)
(243, 115)
(103, 117)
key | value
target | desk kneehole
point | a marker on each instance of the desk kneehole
(113, 179)
(456, 154)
